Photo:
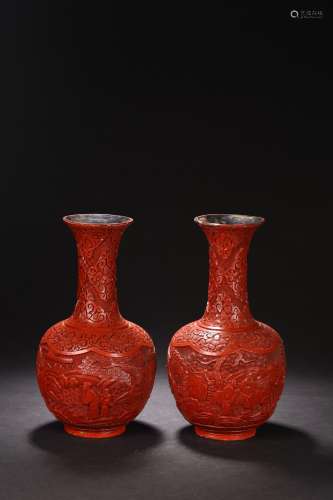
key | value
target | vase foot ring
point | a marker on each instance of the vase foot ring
(95, 433)
(223, 434)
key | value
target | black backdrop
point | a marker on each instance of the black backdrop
(163, 114)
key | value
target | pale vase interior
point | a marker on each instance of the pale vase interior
(97, 219)
(228, 219)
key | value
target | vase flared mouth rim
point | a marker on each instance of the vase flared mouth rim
(235, 220)
(98, 219)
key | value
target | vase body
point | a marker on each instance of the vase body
(95, 369)
(227, 370)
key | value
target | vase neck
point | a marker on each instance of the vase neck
(227, 305)
(97, 249)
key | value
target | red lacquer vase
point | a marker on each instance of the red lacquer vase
(96, 369)
(227, 370)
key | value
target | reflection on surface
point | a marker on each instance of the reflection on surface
(99, 455)
(274, 444)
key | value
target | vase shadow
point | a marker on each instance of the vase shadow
(293, 451)
(98, 456)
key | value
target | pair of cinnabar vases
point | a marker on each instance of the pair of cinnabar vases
(226, 370)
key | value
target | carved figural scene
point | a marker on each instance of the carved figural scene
(95, 369)
(227, 370)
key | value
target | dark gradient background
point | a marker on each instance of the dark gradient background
(163, 114)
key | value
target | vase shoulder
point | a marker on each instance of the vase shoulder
(259, 338)
(122, 339)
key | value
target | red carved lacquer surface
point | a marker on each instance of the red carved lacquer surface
(96, 370)
(227, 370)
